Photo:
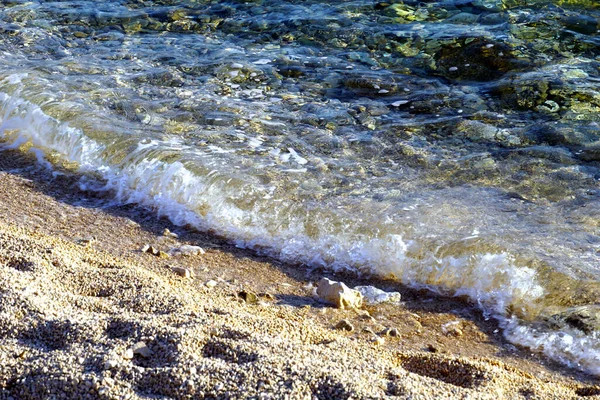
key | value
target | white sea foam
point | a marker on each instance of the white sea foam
(240, 210)
(572, 347)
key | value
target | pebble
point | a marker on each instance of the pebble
(452, 328)
(128, 354)
(432, 349)
(183, 272)
(378, 341)
(108, 381)
(111, 363)
(339, 294)
(210, 284)
(168, 233)
(187, 250)
(142, 349)
(369, 331)
(154, 251)
(415, 316)
(344, 325)
(248, 297)
(86, 241)
(267, 296)
(372, 295)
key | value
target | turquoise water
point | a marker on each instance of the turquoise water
(453, 145)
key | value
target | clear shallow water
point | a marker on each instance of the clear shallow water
(453, 145)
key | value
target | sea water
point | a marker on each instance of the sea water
(451, 145)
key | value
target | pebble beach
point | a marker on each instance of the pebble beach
(86, 314)
(447, 147)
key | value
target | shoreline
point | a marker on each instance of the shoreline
(78, 295)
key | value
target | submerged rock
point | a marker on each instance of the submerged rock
(583, 318)
(339, 294)
(589, 154)
(475, 59)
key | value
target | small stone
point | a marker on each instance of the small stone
(168, 233)
(248, 297)
(183, 272)
(86, 241)
(141, 349)
(339, 294)
(393, 332)
(267, 296)
(452, 328)
(128, 354)
(417, 325)
(344, 325)
(432, 349)
(400, 103)
(364, 314)
(453, 69)
(372, 295)
(378, 341)
(210, 284)
(187, 250)
(110, 364)
(162, 254)
(236, 66)
(369, 331)
(455, 331)
(150, 249)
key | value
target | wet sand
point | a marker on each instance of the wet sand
(84, 313)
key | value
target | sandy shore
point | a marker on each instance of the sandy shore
(84, 313)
